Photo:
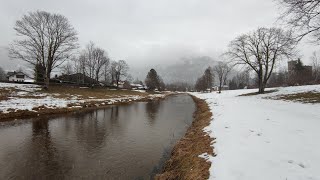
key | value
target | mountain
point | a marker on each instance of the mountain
(186, 70)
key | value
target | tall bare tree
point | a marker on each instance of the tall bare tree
(43, 38)
(100, 60)
(302, 15)
(89, 59)
(261, 50)
(2, 75)
(315, 67)
(107, 72)
(120, 69)
(222, 71)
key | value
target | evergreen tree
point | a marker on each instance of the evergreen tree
(153, 81)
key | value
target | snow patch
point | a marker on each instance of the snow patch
(258, 138)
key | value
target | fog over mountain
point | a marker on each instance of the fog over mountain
(185, 70)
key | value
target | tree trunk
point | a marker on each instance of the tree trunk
(260, 82)
(220, 87)
(47, 80)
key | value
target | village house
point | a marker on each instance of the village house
(121, 84)
(216, 88)
(77, 78)
(18, 77)
(299, 76)
(137, 87)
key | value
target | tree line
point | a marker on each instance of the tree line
(48, 41)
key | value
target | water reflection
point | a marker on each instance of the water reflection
(112, 143)
(90, 130)
(38, 157)
(152, 109)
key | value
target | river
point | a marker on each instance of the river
(119, 142)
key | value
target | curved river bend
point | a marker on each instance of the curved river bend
(120, 142)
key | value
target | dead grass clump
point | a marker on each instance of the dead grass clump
(257, 93)
(307, 97)
(185, 162)
(4, 94)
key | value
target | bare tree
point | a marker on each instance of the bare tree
(113, 71)
(100, 60)
(93, 62)
(315, 67)
(67, 68)
(120, 70)
(107, 72)
(43, 38)
(3, 76)
(303, 16)
(89, 59)
(261, 50)
(222, 70)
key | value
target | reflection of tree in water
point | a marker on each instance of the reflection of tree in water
(91, 129)
(40, 158)
(152, 110)
(114, 114)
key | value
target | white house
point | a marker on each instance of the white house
(18, 77)
(224, 87)
(137, 86)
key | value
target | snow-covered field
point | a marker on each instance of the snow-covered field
(259, 138)
(28, 97)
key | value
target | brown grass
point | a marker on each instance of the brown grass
(257, 93)
(307, 97)
(4, 94)
(184, 162)
(86, 93)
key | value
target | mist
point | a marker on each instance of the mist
(149, 34)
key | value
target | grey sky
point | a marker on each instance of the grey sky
(148, 31)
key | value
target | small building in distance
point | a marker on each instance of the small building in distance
(121, 84)
(18, 76)
(223, 88)
(299, 74)
(137, 86)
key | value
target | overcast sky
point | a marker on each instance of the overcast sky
(149, 31)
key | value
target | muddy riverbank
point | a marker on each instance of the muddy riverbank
(185, 162)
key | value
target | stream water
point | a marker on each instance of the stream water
(120, 142)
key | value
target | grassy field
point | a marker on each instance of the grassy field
(89, 93)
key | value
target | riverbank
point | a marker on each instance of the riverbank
(185, 162)
(27, 100)
(275, 133)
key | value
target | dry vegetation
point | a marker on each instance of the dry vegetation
(4, 93)
(307, 97)
(257, 93)
(88, 93)
(185, 162)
